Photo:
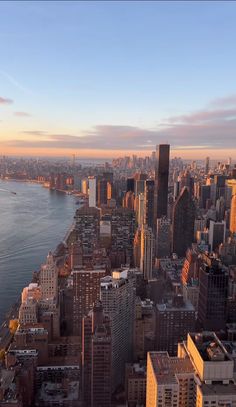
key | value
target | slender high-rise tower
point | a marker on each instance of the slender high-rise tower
(146, 252)
(233, 215)
(149, 203)
(207, 165)
(96, 358)
(161, 176)
(183, 223)
(92, 192)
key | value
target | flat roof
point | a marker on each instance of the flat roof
(167, 368)
(210, 347)
(217, 389)
(50, 391)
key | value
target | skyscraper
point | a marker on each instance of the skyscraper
(162, 176)
(207, 165)
(163, 237)
(128, 200)
(102, 192)
(141, 209)
(118, 300)
(139, 183)
(186, 180)
(149, 203)
(86, 290)
(130, 184)
(122, 236)
(213, 290)
(92, 192)
(48, 278)
(205, 194)
(233, 215)
(96, 358)
(146, 257)
(137, 247)
(174, 321)
(87, 226)
(216, 234)
(183, 223)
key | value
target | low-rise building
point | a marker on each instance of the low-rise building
(202, 375)
(135, 384)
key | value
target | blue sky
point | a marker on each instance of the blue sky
(117, 75)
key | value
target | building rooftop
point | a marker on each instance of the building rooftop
(167, 368)
(209, 347)
(136, 370)
(176, 306)
(6, 378)
(31, 330)
(94, 269)
(118, 278)
(23, 352)
(217, 389)
(147, 304)
(66, 390)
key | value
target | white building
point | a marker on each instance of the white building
(92, 192)
(48, 278)
(28, 312)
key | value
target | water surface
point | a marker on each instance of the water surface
(32, 222)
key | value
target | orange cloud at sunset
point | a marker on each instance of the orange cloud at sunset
(206, 132)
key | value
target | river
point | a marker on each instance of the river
(32, 222)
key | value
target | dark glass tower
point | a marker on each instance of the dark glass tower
(183, 223)
(102, 192)
(161, 176)
(130, 185)
(213, 290)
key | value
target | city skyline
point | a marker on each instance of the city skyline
(109, 79)
(144, 275)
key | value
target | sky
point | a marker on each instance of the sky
(107, 79)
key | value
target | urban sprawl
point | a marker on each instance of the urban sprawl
(136, 306)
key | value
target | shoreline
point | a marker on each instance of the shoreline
(13, 311)
(42, 183)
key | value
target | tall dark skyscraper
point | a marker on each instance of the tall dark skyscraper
(183, 223)
(161, 176)
(130, 184)
(213, 290)
(102, 192)
(207, 165)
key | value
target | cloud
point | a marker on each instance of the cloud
(35, 133)
(5, 101)
(224, 102)
(204, 116)
(203, 129)
(198, 135)
(22, 114)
